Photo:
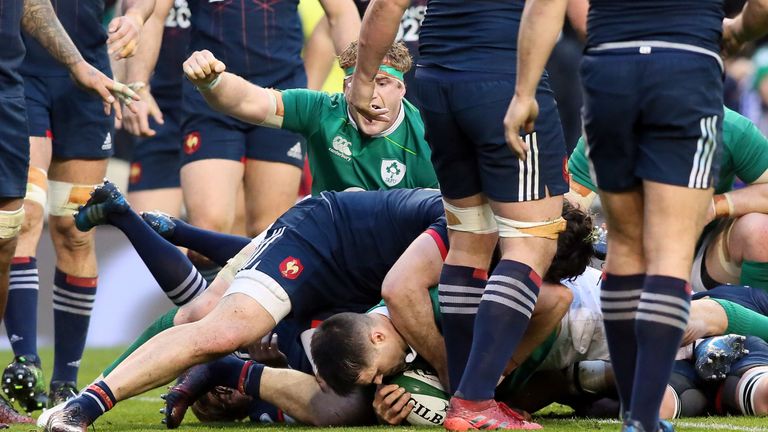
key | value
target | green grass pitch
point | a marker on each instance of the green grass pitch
(141, 413)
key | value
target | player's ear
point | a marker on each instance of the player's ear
(377, 336)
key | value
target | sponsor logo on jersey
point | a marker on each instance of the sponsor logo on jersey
(135, 175)
(392, 172)
(295, 152)
(107, 142)
(291, 268)
(341, 148)
(192, 142)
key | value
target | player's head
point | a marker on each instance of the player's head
(351, 349)
(390, 87)
(574, 245)
(222, 404)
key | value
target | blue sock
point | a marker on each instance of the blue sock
(21, 311)
(459, 291)
(94, 401)
(175, 274)
(619, 296)
(661, 319)
(503, 315)
(244, 375)
(73, 299)
(218, 247)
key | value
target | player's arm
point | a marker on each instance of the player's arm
(138, 70)
(577, 15)
(230, 94)
(378, 32)
(124, 31)
(40, 21)
(406, 292)
(319, 55)
(750, 24)
(540, 26)
(343, 22)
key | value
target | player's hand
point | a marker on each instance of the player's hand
(731, 42)
(124, 32)
(392, 404)
(268, 353)
(112, 92)
(521, 114)
(202, 68)
(136, 122)
(360, 95)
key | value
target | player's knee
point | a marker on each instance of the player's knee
(554, 300)
(33, 218)
(68, 239)
(10, 223)
(210, 220)
(750, 230)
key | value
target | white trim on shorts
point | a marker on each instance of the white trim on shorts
(265, 290)
(644, 47)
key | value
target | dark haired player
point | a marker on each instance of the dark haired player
(652, 78)
(466, 77)
(19, 181)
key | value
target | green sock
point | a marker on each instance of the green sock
(162, 323)
(754, 274)
(743, 321)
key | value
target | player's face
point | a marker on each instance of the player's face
(388, 93)
(388, 359)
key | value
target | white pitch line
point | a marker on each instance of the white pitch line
(704, 425)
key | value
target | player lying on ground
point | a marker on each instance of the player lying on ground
(344, 151)
(283, 253)
(729, 251)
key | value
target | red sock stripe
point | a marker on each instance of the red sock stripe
(83, 282)
(480, 274)
(243, 376)
(102, 395)
(535, 278)
(21, 260)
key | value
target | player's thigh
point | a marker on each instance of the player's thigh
(155, 181)
(609, 115)
(210, 189)
(34, 202)
(272, 175)
(453, 153)
(673, 220)
(624, 217)
(681, 124)
(14, 146)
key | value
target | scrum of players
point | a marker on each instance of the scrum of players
(447, 231)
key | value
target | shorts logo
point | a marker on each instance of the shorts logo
(295, 152)
(192, 143)
(341, 148)
(291, 268)
(107, 142)
(392, 172)
(135, 175)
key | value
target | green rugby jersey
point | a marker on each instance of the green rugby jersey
(340, 158)
(744, 155)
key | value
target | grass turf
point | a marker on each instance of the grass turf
(141, 413)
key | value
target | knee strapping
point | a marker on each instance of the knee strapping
(746, 392)
(66, 198)
(10, 223)
(550, 229)
(37, 186)
(476, 219)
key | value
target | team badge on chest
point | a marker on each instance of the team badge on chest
(291, 268)
(392, 172)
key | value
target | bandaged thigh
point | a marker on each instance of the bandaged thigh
(10, 223)
(37, 186)
(475, 219)
(65, 198)
(265, 290)
(550, 229)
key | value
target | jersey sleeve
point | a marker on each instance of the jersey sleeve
(439, 233)
(578, 166)
(303, 110)
(749, 150)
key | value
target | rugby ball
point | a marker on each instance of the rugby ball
(428, 395)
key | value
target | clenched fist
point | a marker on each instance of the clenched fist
(203, 69)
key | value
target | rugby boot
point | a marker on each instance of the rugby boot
(105, 199)
(23, 383)
(61, 391)
(714, 356)
(636, 426)
(464, 415)
(160, 222)
(8, 415)
(69, 419)
(190, 386)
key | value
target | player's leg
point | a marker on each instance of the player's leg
(177, 277)
(272, 176)
(21, 314)
(746, 389)
(744, 248)
(216, 246)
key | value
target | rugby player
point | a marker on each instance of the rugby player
(729, 252)
(38, 20)
(653, 119)
(466, 77)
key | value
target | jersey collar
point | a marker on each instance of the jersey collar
(387, 131)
